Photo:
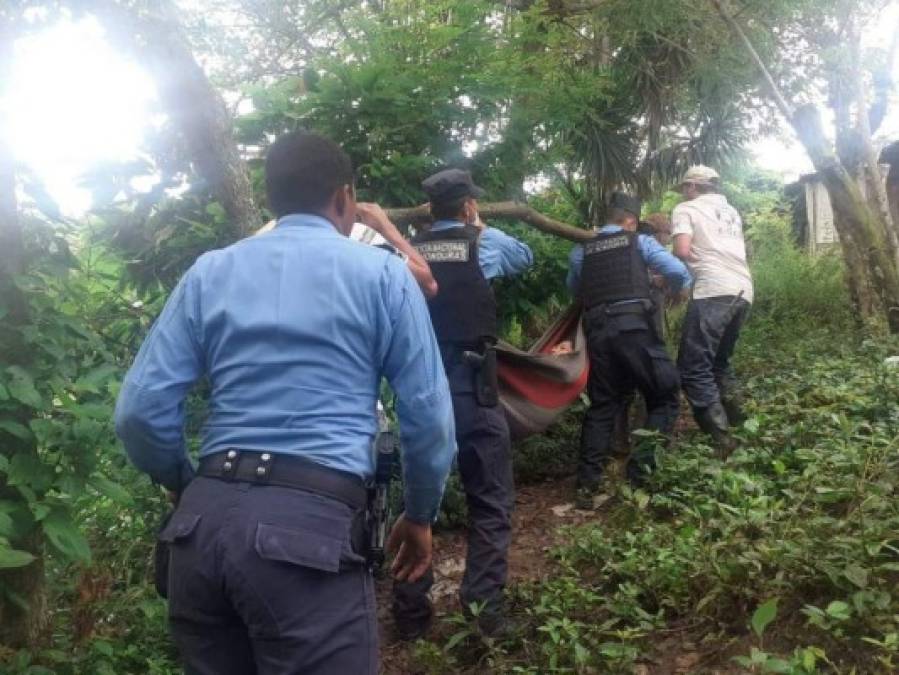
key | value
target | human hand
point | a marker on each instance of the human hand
(682, 295)
(412, 544)
(374, 216)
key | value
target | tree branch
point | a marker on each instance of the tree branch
(501, 211)
(784, 107)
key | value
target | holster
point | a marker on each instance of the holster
(161, 559)
(486, 380)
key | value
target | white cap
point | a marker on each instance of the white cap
(701, 175)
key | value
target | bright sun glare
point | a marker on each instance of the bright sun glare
(73, 102)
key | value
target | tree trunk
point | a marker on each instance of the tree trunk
(198, 112)
(861, 229)
(864, 230)
(21, 625)
(11, 252)
(20, 622)
(876, 190)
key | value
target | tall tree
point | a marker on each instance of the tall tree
(847, 165)
(151, 31)
(22, 589)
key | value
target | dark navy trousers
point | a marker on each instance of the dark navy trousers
(265, 579)
(485, 469)
(711, 329)
(625, 355)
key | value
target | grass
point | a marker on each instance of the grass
(783, 559)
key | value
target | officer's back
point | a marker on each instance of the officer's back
(294, 329)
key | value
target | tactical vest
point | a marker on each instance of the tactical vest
(613, 270)
(464, 309)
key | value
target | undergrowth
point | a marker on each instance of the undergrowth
(785, 557)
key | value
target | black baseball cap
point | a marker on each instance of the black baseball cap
(449, 185)
(626, 202)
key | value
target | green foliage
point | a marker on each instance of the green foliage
(796, 532)
(790, 285)
(55, 404)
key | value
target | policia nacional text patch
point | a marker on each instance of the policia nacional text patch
(444, 251)
(606, 244)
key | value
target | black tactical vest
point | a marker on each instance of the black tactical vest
(613, 270)
(464, 309)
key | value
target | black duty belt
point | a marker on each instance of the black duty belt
(270, 468)
(618, 308)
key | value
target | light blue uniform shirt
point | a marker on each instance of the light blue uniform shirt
(294, 329)
(656, 257)
(499, 254)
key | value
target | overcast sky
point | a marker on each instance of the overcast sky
(75, 102)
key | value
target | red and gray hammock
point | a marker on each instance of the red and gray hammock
(536, 386)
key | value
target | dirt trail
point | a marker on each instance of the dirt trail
(540, 510)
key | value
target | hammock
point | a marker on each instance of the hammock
(536, 386)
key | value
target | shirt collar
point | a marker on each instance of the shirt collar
(441, 225)
(609, 228)
(310, 220)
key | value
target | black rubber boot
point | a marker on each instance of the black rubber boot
(642, 463)
(733, 406)
(410, 630)
(713, 420)
(583, 498)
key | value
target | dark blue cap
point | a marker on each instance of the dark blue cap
(449, 185)
(626, 202)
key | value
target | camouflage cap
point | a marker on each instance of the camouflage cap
(701, 175)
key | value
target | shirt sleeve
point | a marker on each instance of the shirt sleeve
(501, 255)
(681, 223)
(149, 414)
(660, 261)
(413, 367)
(575, 263)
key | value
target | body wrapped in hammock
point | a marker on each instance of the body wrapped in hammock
(536, 386)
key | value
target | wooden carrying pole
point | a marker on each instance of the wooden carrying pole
(498, 210)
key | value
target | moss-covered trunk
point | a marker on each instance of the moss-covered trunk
(862, 229)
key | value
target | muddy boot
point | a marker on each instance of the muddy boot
(412, 610)
(583, 498)
(732, 401)
(733, 406)
(410, 630)
(713, 421)
(641, 464)
(498, 626)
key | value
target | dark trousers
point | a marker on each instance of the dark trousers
(711, 329)
(485, 467)
(264, 579)
(625, 355)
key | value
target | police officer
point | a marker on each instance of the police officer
(610, 274)
(294, 330)
(464, 256)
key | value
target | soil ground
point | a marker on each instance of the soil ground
(542, 510)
